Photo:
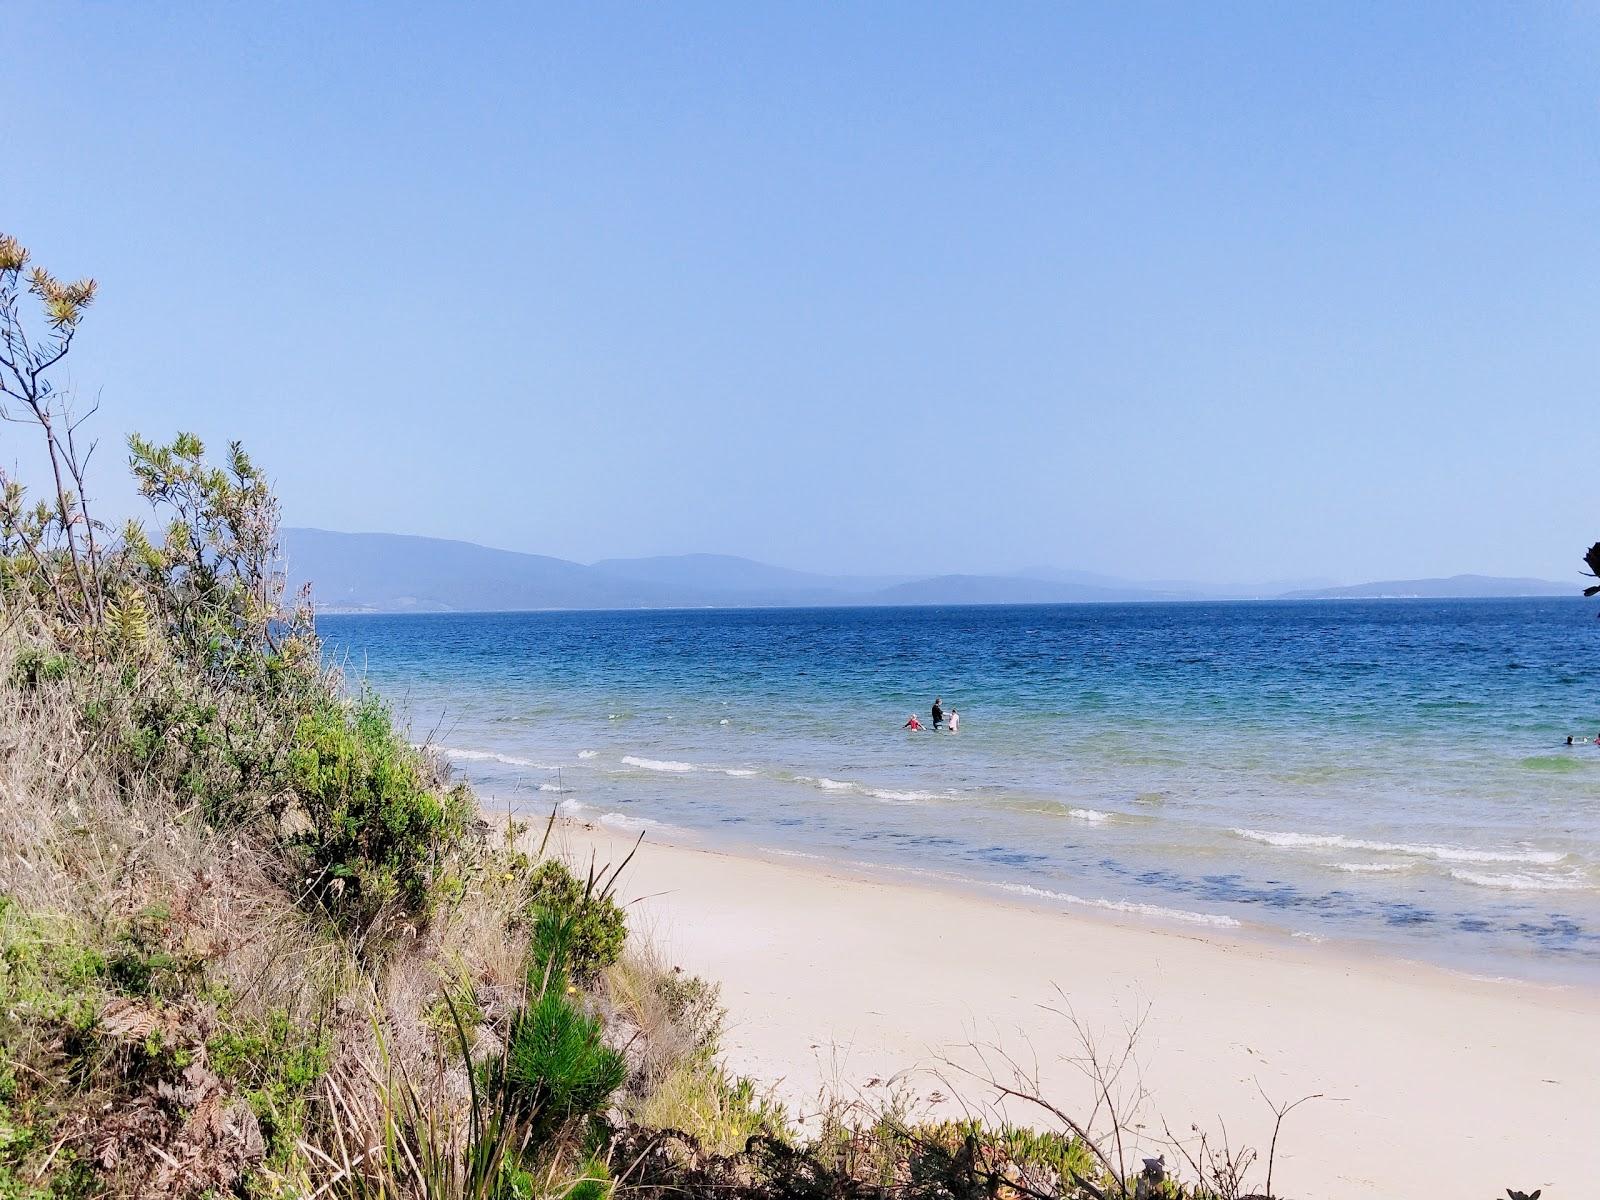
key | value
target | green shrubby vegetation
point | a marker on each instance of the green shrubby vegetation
(253, 943)
(378, 834)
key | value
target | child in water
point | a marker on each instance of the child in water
(912, 723)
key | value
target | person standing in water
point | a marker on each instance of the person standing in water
(938, 712)
(954, 720)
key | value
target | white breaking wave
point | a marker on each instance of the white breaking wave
(1461, 854)
(621, 821)
(673, 767)
(920, 872)
(553, 787)
(894, 797)
(457, 754)
(588, 753)
(615, 820)
(660, 764)
(1520, 881)
(1093, 815)
(1133, 907)
(1369, 868)
(891, 795)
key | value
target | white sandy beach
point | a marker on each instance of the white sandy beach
(1435, 1083)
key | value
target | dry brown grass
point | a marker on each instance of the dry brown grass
(88, 862)
(96, 852)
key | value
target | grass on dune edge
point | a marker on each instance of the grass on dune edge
(254, 943)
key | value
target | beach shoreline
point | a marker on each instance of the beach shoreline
(1433, 1081)
(1375, 775)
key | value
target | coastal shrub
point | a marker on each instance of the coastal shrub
(277, 1062)
(23, 1146)
(143, 959)
(378, 836)
(224, 672)
(212, 582)
(45, 970)
(594, 926)
(720, 1110)
(527, 1128)
(861, 1152)
(936, 1151)
(458, 1002)
(218, 750)
(672, 1023)
(667, 1016)
(694, 1005)
(557, 1067)
(52, 989)
(593, 1182)
(101, 1041)
(50, 548)
(187, 672)
(35, 666)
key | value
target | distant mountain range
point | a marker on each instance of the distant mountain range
(389, 572)
(1457, 587)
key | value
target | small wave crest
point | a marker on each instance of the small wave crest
(1092, 815)
(670, 766)
(897, 797)
(615, 820)
(1377, 868)
(588, 753)
(1440, 853)
(1522, 881)
(667, 765)
(459, 754)
(623, 821)
(887, 795)
(1136, 908)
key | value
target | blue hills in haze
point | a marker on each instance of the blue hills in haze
(389, 572)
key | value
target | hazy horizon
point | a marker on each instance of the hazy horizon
(1154, 292)
(1037, 570)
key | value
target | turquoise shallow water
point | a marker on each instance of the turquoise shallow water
(1388, 772)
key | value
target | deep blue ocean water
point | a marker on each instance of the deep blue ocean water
(1392, 772)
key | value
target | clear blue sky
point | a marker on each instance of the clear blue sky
(1217, 291)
